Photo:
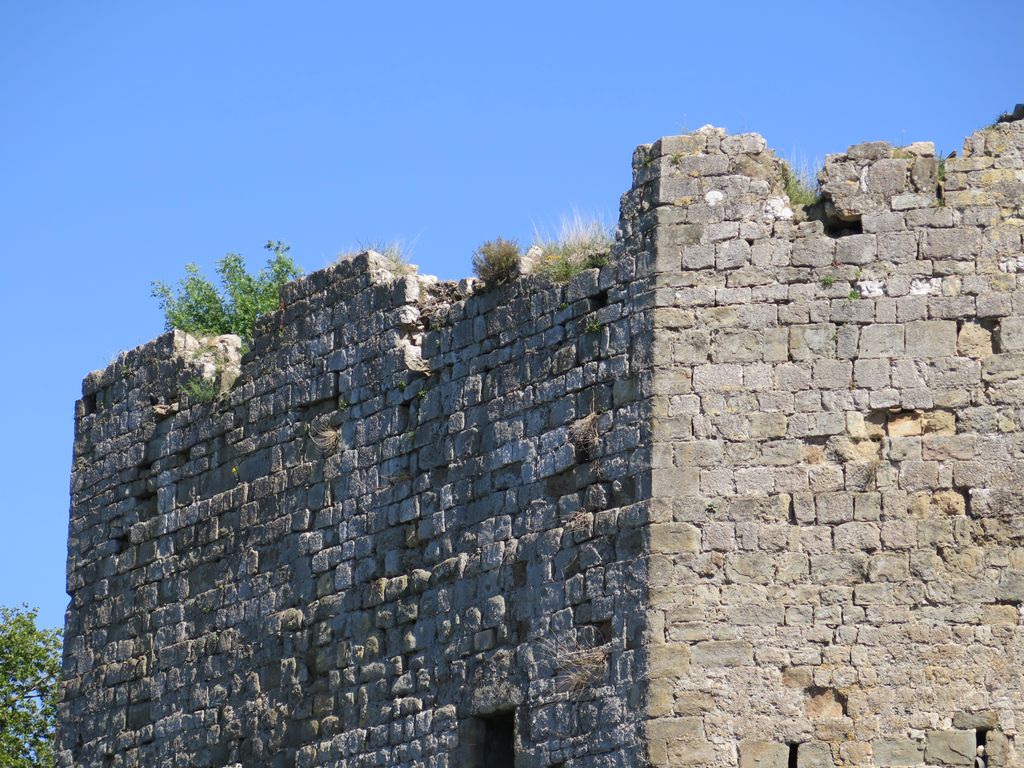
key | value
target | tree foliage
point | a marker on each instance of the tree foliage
(200, 308)
(29, 673)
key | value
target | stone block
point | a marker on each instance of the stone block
(872, 373)
(722, 653)
(1011, 334)
(691, 347)
(886, 178)
(1003, 368)
(717, 378)
(929, 217)
(950, 243)
(924, 174)
(974, 341)
(768, 425)
(856, 249)
(931, 338)
(813, 252)
(857, 535)
(763, 754)
(1011, 586)
(906, 424)
(986, 719)
(898, 247)
(912, 200)
(698, 256)
(695, 752)
(883, 221)
(881, 340)
(897, 752)
(834, 508)
(669, 660)
(732, 254)
(950, 748)
(832, 374)
(676, 728)
(814, 754)
(670, 538)
(870, 150)
(743, 143)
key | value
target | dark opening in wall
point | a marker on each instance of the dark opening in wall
(981, 740)
(793, 749)
(522, 630)
(498, 747)
(519, 573)
(838, 228)
(88, 404)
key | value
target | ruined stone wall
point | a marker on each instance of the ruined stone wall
(411, 528)
(747, 496)
(837, 544)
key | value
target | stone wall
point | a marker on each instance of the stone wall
(837, 545)
(746, 496)
(414, 509)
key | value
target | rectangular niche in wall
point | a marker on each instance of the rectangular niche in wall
(497, 748)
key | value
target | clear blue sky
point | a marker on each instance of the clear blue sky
(136, 137)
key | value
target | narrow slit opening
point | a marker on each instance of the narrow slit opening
(793, 749)
(499, 740)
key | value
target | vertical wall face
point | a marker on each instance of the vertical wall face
(748, 496)
(409, 535)
(836, 538)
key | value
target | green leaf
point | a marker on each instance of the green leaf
(200, 308)
(29, 685)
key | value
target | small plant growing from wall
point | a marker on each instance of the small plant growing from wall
(578, 666)
(584, 437)
(202, 309)
(497, 261)
(799, 187)
(581, 244)
(201, 390)
(396, 255)
(323, 435)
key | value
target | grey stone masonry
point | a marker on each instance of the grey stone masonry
(749, 495)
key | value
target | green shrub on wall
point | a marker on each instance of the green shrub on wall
(497, 261)
(200, 308)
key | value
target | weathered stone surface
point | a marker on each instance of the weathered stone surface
(763, 754)
(950, 747)
(1011, 334)
(722, 653)
(974, 341)
(898, 752)
(814, 755)
(931, 338)
(748, 494)
(674, 537)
